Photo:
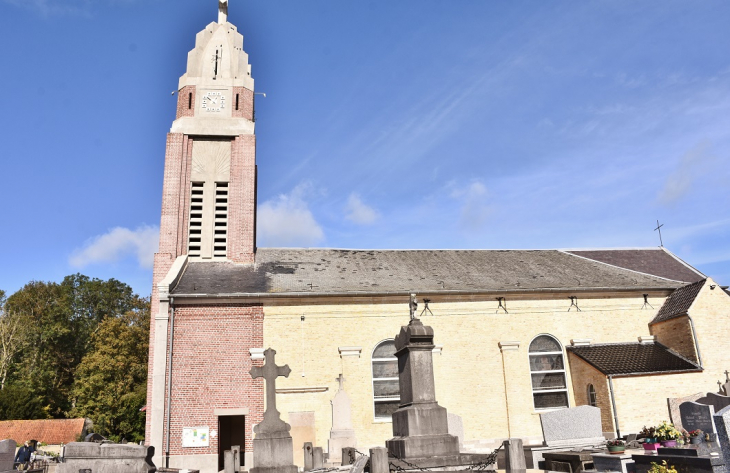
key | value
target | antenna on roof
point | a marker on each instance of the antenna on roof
(659, 229)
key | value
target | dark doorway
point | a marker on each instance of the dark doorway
(231, 431)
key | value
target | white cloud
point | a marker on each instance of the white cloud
(358, 212)
(474, 209)
(117, 244)
(287, 221)
(692, 165)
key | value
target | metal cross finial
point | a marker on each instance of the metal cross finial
(270, 372)
(659, 229)
(341, 380)
(726, 376)
(222, 11)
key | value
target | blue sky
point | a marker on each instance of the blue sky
(408, 124)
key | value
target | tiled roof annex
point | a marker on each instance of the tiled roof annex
(678, 302)
(633, 358)
(657, 261)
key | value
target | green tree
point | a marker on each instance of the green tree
(18, 402)
(111, 381)
(55, 328)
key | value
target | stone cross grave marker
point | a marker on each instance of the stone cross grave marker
(272, 446)
(272, 419)
(697, 416)
(342, 433)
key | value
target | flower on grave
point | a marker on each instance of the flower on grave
(663, 468)
(648, 434)
(616, 443)
(667, 431)
(695, 433)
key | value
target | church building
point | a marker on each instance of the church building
(517, 332)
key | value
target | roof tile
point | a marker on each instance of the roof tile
(633, 358)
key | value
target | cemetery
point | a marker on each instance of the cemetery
(573, 441)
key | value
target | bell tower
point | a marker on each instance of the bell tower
(209, 186)
(209, 190)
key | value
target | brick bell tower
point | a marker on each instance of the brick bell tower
(209, 187)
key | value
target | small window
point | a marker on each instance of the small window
(386, 391)
(236, 101)
(592, 396)
(547, 372)
(190, 100)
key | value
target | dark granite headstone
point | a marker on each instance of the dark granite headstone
(697, 416)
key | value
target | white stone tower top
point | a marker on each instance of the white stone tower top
(222, 11)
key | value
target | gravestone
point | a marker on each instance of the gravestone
(317, 458)
(107, 458)
(697, 416)
(7, 455)
(564, 429)
(308, 455)
(379, 460)
(342, 433)
(576, 426)
(272, 447)
(722, 422)
(420, 425)
(715, 400)
(236, 449)
(228, 462)
(359, 465)
(514, 456)
(674, 402)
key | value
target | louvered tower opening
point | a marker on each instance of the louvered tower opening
(220, 229)
(196, 219)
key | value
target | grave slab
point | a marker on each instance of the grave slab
(342, 433)
(722, 422)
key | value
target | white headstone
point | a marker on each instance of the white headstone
(574, 426)
(342, 434)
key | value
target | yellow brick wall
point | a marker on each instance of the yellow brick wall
(677, 335)
(470, 373)
(584, 374)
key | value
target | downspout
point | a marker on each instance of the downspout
(169, 382)
(613, 404)
(694, 336)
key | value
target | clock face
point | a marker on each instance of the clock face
(213, 101)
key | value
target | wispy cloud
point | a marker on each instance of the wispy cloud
(474, 208)
(118, 243)
(286, 220)
(359, 212)
(693, 164)
(63, 7)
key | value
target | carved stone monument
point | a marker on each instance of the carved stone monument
(272, 447)
(697, 416)
(420, 425)
(342, 433)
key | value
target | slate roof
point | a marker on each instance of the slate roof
(656, 261)
(633, 358)
(678, 302)
(331, 271)
(50, 431)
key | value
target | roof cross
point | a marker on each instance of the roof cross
(659, 229)
(272, 422)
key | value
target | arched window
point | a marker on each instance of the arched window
(592, 396)
(547, 370)
(386, 392)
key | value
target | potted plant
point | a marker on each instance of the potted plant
(616, 446)
(696, 436)
(668, 434)
(649, 438)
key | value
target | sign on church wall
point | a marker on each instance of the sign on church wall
(195, 437)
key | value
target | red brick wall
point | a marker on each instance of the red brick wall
(186, 102)
(242, 200)
(245, 103)
(210, 369)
